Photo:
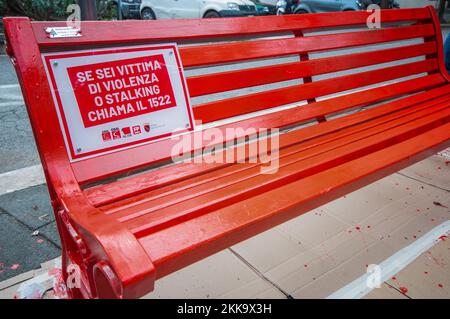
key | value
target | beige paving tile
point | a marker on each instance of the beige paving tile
(356, 206)
(340, 248)
(298, 271)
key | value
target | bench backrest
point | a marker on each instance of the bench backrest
(276, 71)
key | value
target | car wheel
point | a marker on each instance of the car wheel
(211, 15)
(147, 14)
(301, 11)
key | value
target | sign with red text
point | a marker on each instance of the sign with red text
(109, 100)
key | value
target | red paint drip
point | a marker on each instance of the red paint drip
(403, 290)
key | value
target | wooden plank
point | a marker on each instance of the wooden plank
(232, 80)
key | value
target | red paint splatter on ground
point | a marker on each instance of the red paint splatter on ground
(358, 228)
(425, 272)
(440, 285)
(306, 266)
(447, 163)
(369, 227)
(443, 237)
(414, 236)
(14, 267)
(40, 241)
(403, 290)
(394, 278)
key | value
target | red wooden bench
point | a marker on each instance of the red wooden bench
(124, 232)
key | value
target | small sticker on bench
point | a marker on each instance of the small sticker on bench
(109, 100)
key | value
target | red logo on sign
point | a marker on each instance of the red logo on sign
(147, 127)
(117, 90)
(116, 134)
(106, 135)
(126, 131)
(137, 130)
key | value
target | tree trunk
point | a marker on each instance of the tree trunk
(88, 10)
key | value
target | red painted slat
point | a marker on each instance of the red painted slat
(240, 51)
(218, 110)
(292, 153)
(232, 80)
(144, 219)
(185, 243)
(163, 178)
(115, 32)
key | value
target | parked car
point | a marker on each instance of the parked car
(313, 6)
(264, 8)
(189, 9)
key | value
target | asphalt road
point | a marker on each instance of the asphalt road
(28, 210)
(25, 211)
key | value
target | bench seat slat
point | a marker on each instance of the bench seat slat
(178, 246)
(164, 180)
(218, 110)
(239, 51)
(232, 80)
(106, 165)
(129, 231)
(102, 33)
(293, 149)
(231, 189)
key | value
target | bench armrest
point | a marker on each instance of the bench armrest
(111, 246)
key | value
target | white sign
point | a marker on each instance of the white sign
(108, 100)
